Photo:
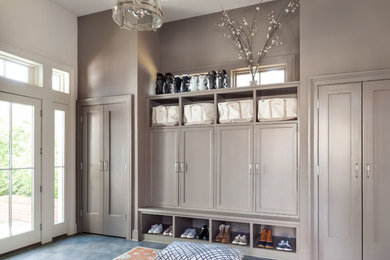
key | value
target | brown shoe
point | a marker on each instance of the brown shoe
(221, 233)
(268, 240)
(263, 236)
(227, 235)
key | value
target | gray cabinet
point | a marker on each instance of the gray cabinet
(353, 186)
(235, 168)
(197, 167)
(164, 167)
(276, 186)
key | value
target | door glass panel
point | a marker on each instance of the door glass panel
(4, 204)
(59, 165)
(22, 136)
(4, 135)
(16, 168)
(21, 201)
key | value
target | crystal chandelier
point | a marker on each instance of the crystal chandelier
(138, 15)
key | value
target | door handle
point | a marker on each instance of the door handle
(357, 170)
(250, 168)
(105, 166)
(257, 169)
(368, 171)
(183, 167)
(101, 166)
(177, 167)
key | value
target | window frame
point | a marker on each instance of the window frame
(243, 71)
(64, 82)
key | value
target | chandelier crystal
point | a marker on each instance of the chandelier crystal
(138, 15)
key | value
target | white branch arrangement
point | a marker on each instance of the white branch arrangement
(242, 34)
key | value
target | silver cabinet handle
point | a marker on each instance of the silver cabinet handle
(105, 166)
(357, 170)
(101, 166)
(257, 169)
(177, 167)
(368, 171)
(183, 167)
(250, 169)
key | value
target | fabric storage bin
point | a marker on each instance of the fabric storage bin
(240, 111)
(165, 116)
(277, 109)
(200, 113)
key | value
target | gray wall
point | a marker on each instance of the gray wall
(107, 57)
(197, 45)
(336, 37)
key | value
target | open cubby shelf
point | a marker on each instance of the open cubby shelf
(222, 95)
(281, 230)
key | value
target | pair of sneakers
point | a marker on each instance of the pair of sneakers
(156, 229)
(189, 233)
(240, 240)
(284, 246)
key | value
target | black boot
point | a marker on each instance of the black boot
(221, 79)
(160, 81)
(211, 79)
(170, 82)
(185, 84)
(178, 81)
(204, 232)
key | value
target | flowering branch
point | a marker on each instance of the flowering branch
(242, 34)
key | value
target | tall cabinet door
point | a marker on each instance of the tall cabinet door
(197, 168)
(276, 169)
(93, 169)
(164, 168)
(234, 168)
(115, 178)
(376, 179)
(339, 151)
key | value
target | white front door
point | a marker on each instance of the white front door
(20, 171)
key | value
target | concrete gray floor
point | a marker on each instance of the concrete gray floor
(85, 247)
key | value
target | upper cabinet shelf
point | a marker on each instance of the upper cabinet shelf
(247, 105)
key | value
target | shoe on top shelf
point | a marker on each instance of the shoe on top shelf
(191, 233)
(236, 240)
(243, 241)
(168, 231)
(185, 234)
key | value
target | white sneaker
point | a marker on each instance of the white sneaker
(158, 229)
(287, 247)
(151, 230)
(167, 231)
(243, 241)
(236, 240)
(281, 245)
(192, 233)
(185, 234)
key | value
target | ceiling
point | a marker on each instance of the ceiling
(173, 9)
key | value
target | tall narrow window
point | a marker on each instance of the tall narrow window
(59, 166)
(60, 81)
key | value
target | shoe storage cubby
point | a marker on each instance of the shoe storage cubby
(235, 229)
(167, 102)
(182, 223)
(148, 220)
(279, 233)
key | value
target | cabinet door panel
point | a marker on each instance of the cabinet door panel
(93, 172)
(376, 129)
(163, 179)
(115, 152)
(197, 176)
(234, 177)
(340, 221)
(276, 169)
